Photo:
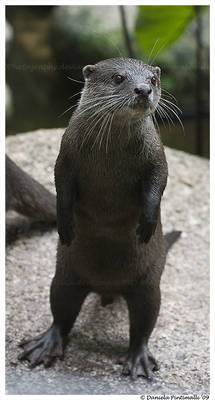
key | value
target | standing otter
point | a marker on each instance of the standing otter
(110, 175)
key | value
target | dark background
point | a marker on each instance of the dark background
(48, 44)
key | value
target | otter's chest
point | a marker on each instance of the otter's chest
(117, 175)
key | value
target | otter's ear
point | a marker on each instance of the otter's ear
(158, 71)
(88, 70)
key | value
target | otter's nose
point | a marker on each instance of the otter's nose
(143, 90)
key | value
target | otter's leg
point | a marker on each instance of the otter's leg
(66, 303)
(143, 304)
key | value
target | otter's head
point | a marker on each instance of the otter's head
(122, 85)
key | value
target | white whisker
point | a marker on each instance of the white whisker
(176, 115)
(74, 80)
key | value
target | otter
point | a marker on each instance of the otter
(110, 175)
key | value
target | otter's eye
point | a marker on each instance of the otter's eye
(153, 81)
(118, 79)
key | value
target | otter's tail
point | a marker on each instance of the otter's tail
(171, 238)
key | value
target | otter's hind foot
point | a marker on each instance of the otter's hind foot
(139, 363)
(43, 348)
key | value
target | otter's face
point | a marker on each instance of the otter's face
(124, 86)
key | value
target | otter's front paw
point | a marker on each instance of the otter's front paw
(146, 228)
(66, 232)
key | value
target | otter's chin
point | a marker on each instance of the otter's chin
(142, 107)
(143, 104)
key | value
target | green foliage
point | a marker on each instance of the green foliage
(160, 26)
(81, 30)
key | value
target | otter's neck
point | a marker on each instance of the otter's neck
(110, 132)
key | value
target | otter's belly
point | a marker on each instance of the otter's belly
(109, 264)
(104, 262)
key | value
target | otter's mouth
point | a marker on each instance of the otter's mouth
(141, 104)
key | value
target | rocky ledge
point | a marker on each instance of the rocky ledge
(180, 340)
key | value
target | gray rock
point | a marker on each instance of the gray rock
(180, 340)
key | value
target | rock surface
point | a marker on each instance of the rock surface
(180, 340)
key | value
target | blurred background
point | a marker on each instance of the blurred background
(47, 45)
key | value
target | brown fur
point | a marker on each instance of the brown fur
(109, 180)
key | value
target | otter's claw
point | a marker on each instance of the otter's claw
(139, 363)
(43, 349)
